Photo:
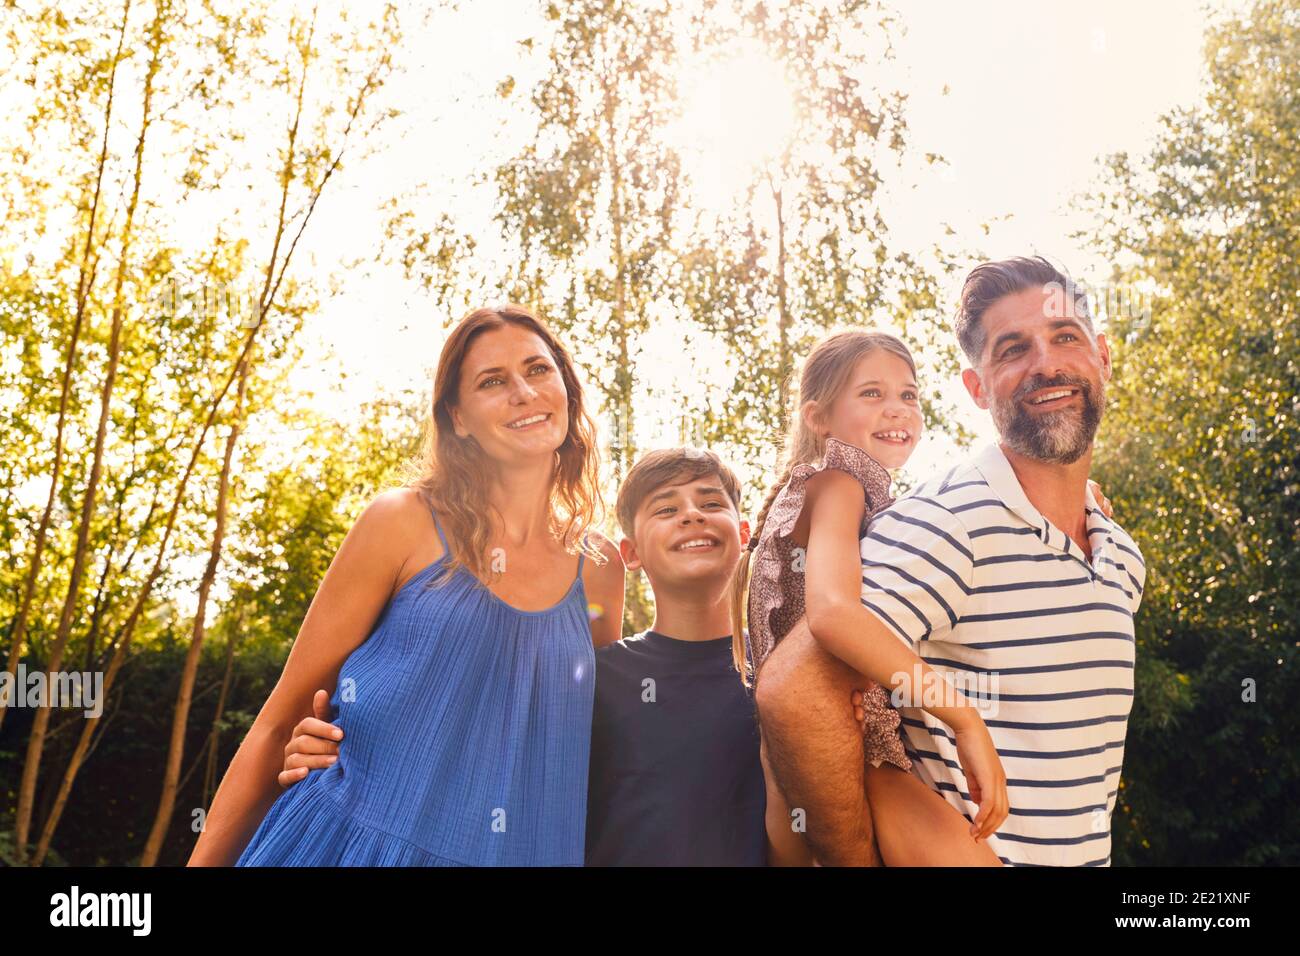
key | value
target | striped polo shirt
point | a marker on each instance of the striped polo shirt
(987, 590)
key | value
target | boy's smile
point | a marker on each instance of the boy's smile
(698, 542)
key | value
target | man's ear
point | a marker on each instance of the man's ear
(971, 379)
(627, 551)
(1103, 349)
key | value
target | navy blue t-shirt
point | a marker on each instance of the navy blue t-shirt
(675, 776)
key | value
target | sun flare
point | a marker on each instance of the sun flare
(737, 115)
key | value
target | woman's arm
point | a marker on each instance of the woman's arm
(604, 584)
(359, 582)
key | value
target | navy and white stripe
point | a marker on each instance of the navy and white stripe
(982, 586)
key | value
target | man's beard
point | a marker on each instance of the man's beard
(1060, 437)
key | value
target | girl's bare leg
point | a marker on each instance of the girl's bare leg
(915, 826)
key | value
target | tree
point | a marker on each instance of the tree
(156, 49)
(1200, 452)
(164, 373)
(806, 247)
(90, 83)
(591, 200)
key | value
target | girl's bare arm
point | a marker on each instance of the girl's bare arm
(842, 625)
(833, 591)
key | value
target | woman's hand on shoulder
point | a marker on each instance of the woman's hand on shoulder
(604, 584)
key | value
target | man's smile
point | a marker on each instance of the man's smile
(1049, 398)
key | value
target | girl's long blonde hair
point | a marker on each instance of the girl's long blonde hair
(451, 472)
(825, 374)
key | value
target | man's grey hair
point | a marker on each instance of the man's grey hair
(991, 281)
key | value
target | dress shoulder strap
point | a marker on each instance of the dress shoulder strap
(441, 537)
(582, 556)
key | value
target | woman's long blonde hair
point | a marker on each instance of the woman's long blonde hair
(825, 375)
(451, 470)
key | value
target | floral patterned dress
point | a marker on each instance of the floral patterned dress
(776, 591)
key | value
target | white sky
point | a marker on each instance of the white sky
(1036, 92)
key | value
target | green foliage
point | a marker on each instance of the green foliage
(591, 201)
(1202, 451)
(109, 299)
(293, 522)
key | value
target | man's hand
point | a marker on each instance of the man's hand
(858, 713)
(1102, 501)
(315, 743)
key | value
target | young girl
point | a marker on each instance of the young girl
(454, 622)
(859, 415)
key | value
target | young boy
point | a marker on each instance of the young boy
(675, 775)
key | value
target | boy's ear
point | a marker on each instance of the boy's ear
(627, 551)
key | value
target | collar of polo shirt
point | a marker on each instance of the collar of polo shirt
(997, 471)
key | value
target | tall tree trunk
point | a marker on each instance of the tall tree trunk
(85, 279)
(784, 359)
(40, 725)
(97, 613)
(214, 735)
(184, 696)
(99, 605)
(623, 383)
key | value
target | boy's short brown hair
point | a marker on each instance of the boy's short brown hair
(673, 466)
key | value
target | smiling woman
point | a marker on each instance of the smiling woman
(478, 660)
(507, 389)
